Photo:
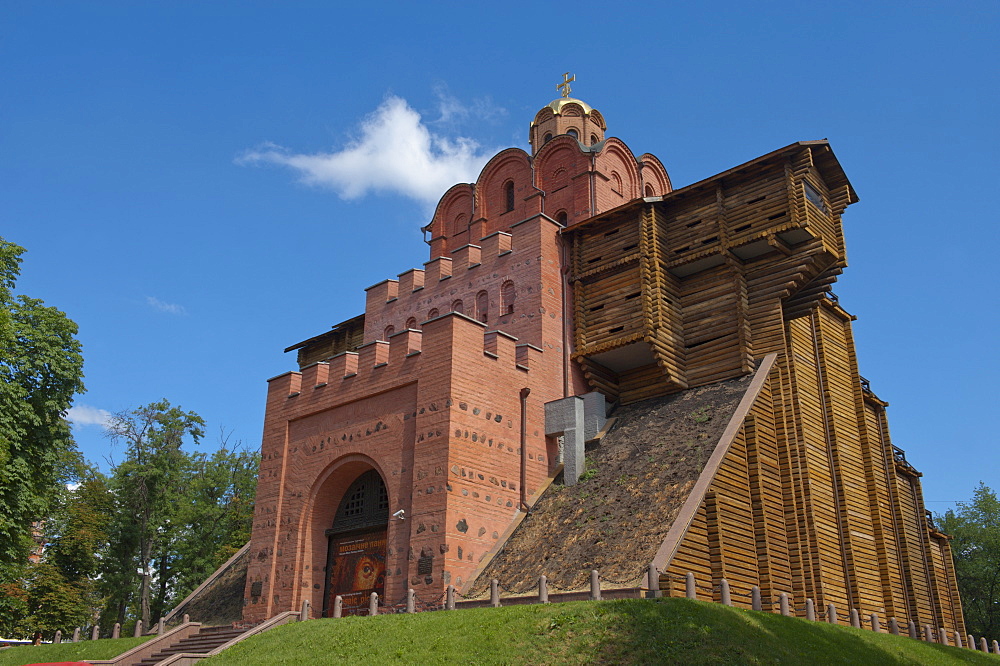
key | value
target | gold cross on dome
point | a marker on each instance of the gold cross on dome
(564, 86)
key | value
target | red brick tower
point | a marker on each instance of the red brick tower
(410, 439)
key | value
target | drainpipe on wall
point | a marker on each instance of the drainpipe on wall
(524, 447)
(566, 314)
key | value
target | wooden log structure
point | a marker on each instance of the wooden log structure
(811, 498)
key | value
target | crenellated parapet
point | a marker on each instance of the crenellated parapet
(496, 281)
(381, 364)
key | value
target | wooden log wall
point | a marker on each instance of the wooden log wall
(814, 504)
(810, 499)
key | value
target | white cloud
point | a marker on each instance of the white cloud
(169, 308)
(395, 152)
(85, 415)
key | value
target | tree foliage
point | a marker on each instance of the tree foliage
(975, 528)
(41, 368)
(149, 485)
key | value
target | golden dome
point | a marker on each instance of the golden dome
(557, 104)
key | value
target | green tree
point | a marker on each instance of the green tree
(217, 513)
(975, 528)
(148, 484)
(41, 368)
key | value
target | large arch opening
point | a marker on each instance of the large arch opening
(356, 550)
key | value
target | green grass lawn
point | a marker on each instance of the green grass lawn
(666, 631)
(100, 649)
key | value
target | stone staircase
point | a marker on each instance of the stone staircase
(203, 642)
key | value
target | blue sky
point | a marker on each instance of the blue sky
(191, 180)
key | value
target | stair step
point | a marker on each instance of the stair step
(206, 640)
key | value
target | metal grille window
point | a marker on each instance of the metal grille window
(365, 505)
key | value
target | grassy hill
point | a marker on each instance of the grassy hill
(666, 631)
(102, 649)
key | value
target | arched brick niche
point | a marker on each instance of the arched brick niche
(450, 225)
(655, 179)
(502, 191)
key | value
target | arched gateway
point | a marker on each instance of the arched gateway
(355, 561)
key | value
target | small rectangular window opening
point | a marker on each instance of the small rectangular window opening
(813, 195)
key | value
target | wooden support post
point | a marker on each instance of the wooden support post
(783, 604)
(755, 603)
(304, 611)
(373, 604)
(876, 625)
(689, 587)
(138, 629)
(893, 626)
(831, 614)
(411, 604)
(449, 598)
(495, 593)
(913, 630)
(855, 618)
(543, 590)
(338, 606)
(724, 592)
(653, 582)
(595, 586)
(810, 610)
(116, 631)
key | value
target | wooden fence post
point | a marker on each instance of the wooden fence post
(755, 599)
(724, 592)
(690, 590)
(338, 606)
(595, 586)
(543, 589)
